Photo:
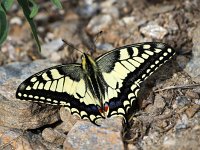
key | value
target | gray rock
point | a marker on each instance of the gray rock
(192, 67)
(20, 114)
(182, 123)
(85, 135)
(88, 9)
(181, 101)
(53, 136)
(99, 23)
(49, 49)
(153, 30)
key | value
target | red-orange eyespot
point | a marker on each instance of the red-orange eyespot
(100, 109)
(106, 107)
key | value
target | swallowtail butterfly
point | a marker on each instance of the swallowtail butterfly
(100, 88)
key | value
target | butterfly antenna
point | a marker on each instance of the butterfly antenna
(70, 45)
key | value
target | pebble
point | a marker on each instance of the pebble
(181, 101)
(88, 10)
(99, 23)
(49, 49)
(85, 135)
(182, 123)
(16, 20)
(154, 30)
(53, 136)
(192, 67)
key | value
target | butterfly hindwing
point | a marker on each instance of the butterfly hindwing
(125, 68)
(61, 85)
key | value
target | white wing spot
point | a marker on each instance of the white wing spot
(158, 50)
(35, 85)
(19, 94)
(128, 65)
(124, 54)
(25, 95)
(161, 58)
(60, 85)
(36, 97)
(156, 62)
(152, 66)
(48, 99)
(143, 76)
(55, 74)
(139, 59)
(47, 85)
(149, 52)
(148, 70)
(30, 96)
(145, 56)
(55, 101)
(53, 85)
(135, 63)
(33, 79)
(135, 51)
(169, 50)
(45, 77)
(146, 46)
(42, 98)
(165, 54)
(41, 85)
(28, 88)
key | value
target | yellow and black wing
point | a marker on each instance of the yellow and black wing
(123, 70)
(62, 85)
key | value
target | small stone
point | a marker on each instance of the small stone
(192, 110)
(53, 136)
(22, 114)
(85, 135)
(159, 101)
(99, 23)
(154, 30)
(49, 49)
(104, 46)
(16, 20)
(191, 94)
(192, 67)
(88, 10)
(169, 142)
(181, 101)
(182, 123)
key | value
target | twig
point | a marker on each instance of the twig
(178, 87)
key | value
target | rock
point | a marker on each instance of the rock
(88, 9)
(16, 20)
(53, 136)
(99, 23)
(85, 135)
(192, 94)
(182, 123)
(68, 120)
(181, 101)
(104, 46)
(192, 67)
(154, 30)
(20, 114)
(49, 49)
(192, 110)
(159, 101)
(17, 139)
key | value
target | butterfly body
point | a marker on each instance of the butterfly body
(100, 88)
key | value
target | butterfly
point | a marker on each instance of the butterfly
(96, 89)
